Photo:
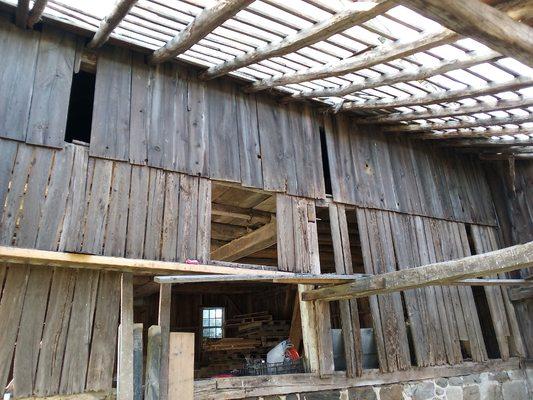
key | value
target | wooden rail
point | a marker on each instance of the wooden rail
(447, 272)
(17, 255)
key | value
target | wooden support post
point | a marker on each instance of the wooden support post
(21, 16)
(324, 339)
(125, 347)
(307, 314)
(153, 363)
(137, 361)
(165, 297)
(181, 366)
(295, 333)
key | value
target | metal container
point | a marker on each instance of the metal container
(368, 344)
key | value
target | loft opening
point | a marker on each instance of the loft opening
(80, 110)
(243, 226)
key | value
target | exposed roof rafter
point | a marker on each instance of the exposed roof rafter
(378, 55)
(110, 22)
(487, 143)
(414, 128)
(482, 22)
(36, 12)
(201, 26)
(488, 133)
(482, 107)
(444, 96)
(357, 14)
(414, 74)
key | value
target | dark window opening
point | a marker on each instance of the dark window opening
(482, 308)
(325, 161)
(487, 328)
(80, 110)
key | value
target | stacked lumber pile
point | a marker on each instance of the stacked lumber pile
(248, 336)
(231, 344)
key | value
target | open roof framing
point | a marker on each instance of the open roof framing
(437, 69)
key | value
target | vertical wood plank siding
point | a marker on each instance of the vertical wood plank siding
(49, 194)
(440, 319)
(35, 80)
(371, 169)
(168, 119)
(164, 117)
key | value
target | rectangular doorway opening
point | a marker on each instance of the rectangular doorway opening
(327, 265)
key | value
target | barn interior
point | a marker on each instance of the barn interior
(262, 199)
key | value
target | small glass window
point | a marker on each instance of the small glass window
(212, 322)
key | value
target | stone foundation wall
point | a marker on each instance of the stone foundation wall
(503, 385)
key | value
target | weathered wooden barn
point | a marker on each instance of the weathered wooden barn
(186, 184)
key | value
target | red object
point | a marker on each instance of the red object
(223, 376)
(189, 261)
(292, 353)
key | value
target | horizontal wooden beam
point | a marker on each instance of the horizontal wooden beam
(205, 22)
(481, 107)
(492, 282)
(247, 214)
(492, 263)
(441, 97)
(406, 75)
(481, 22)
(354, 14)
(380, 54)
(468, 134)
(494, 121)
(304, 279)
(498, 150)
(489, 143)
(244, 387)
(16, 255)
(250, 243)
(36, 12)
(494, 157)
(110, 22)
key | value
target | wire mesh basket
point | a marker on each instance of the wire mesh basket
(281, 368)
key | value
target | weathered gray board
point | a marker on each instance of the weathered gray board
(66, 200)
(35, 80)
(437, 318)
(168, 119)
(165, 117)
(371, 169)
